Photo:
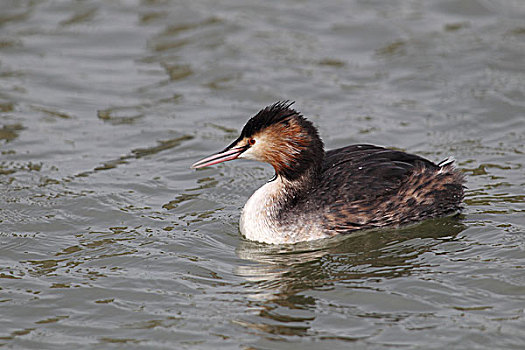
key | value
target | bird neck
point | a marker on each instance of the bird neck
(298, 182)
(303, 167)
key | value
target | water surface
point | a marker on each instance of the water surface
(109, 240)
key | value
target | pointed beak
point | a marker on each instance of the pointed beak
(228, 154)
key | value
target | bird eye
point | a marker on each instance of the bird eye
(251, 142)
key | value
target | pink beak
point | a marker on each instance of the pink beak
(220, 157)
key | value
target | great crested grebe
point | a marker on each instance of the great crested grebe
(316, 194)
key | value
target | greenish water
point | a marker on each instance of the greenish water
(109, 240)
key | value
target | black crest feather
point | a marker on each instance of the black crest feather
(270, 115)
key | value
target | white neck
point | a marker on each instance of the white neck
(262, 219)
(258, 221)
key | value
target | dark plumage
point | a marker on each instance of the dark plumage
(318, 194)
(369, 186)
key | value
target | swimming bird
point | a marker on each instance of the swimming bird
(316, 194)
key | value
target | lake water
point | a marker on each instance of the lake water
(109, 240)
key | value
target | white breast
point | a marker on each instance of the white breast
(257, 219)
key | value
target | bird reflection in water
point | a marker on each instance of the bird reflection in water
(279, 276)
